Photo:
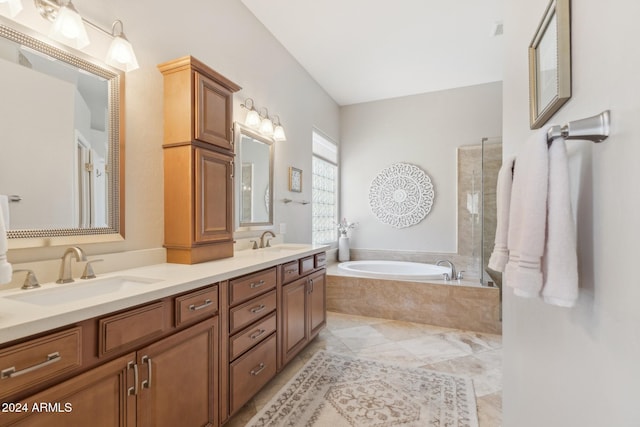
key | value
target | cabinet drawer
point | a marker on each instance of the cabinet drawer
(306, 265)
(246, 287)
(320, 259)
(132, 327)
(27, 364)
(251, 336)
(196, 305)
(290, 271)
(251, 311)
(248, 374)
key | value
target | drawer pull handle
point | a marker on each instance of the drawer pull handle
(133, 391)
(291, 271)
(258, 334)
(258, 309)
(256, 372)
(147, 383)
(11, 372)
(194, 307)
(254, 285)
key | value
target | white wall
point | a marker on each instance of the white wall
(424, 130)
(227, 37)
(580, 366)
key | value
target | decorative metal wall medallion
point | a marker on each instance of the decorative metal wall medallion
(401, 195)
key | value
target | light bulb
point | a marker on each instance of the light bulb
(278, 133)
(252, 119)
(68, 27)
(121, 54)
(266, 126)
(14, 7)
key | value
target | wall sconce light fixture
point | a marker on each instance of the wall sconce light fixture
(266, 125)
(262, 122)
(278, 131)
(253, 118)
(12, 7)
(68, 28)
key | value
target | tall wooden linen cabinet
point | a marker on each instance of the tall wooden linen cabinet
(198, 162)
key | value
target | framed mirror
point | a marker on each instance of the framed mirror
(550, 63)
(62, 150)
(254, 179)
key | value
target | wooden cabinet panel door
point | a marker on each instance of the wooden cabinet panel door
(294, 318)
(317, 303)
(97, 398)
(213, 113)
(214, 196)
(178, 377)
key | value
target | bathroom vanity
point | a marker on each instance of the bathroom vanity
(179, 345)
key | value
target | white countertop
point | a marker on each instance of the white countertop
(20, 319)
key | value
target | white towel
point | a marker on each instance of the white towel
(527, 217)
(500, 254)
(4, 207)
(560, 261)
(6, 271)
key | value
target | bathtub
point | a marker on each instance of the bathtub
(396, 270)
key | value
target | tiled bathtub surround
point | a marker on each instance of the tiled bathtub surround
(452, 305)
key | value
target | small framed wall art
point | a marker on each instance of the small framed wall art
(295, 180)
(550, 63)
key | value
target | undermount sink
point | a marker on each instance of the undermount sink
(54, 294)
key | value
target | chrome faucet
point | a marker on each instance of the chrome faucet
(453, 268)
(262, 245)
(65, 266)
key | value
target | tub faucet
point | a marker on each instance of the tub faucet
(262, 244)
(65, 266)
(453, 268)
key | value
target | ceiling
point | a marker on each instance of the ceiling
(366, 50)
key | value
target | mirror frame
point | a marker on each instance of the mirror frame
(115, 230)
(239, 130)
(539, 114)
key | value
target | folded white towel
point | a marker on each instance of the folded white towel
(500, 254)
(560, 263)
(6, 272)
(527, 217)
(4, 207)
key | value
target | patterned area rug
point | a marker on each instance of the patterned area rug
(335, 390)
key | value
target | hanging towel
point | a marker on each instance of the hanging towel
(527, 217)
(560, 261)
(4, 207)
(500, 254)
(6, 271)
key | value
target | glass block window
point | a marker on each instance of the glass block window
(324, 190)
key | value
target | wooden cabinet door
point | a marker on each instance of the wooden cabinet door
(213, 113)
(179, 377)
(101, 397)
(294, 318)
(213, 196)
(317, 303)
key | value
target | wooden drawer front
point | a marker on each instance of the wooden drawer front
(251, 311)
(290, 271)
(251, 336)
(246, 287)
(320, 259)
(248, 374)
(306, 265)
(196, 305)
(27, 364)
(132, 327)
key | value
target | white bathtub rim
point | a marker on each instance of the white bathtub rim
(395, 270)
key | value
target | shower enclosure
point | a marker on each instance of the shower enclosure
(478, 167)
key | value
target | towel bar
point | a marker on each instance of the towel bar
(14, 198)
(594, 129)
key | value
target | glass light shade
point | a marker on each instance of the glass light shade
(266, 127)
(68, 27)
(13, 7)
(278, 134)
(252, 119)
(121, 54)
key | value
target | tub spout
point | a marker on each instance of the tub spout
(453, 267)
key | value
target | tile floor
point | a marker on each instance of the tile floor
(473, 354)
